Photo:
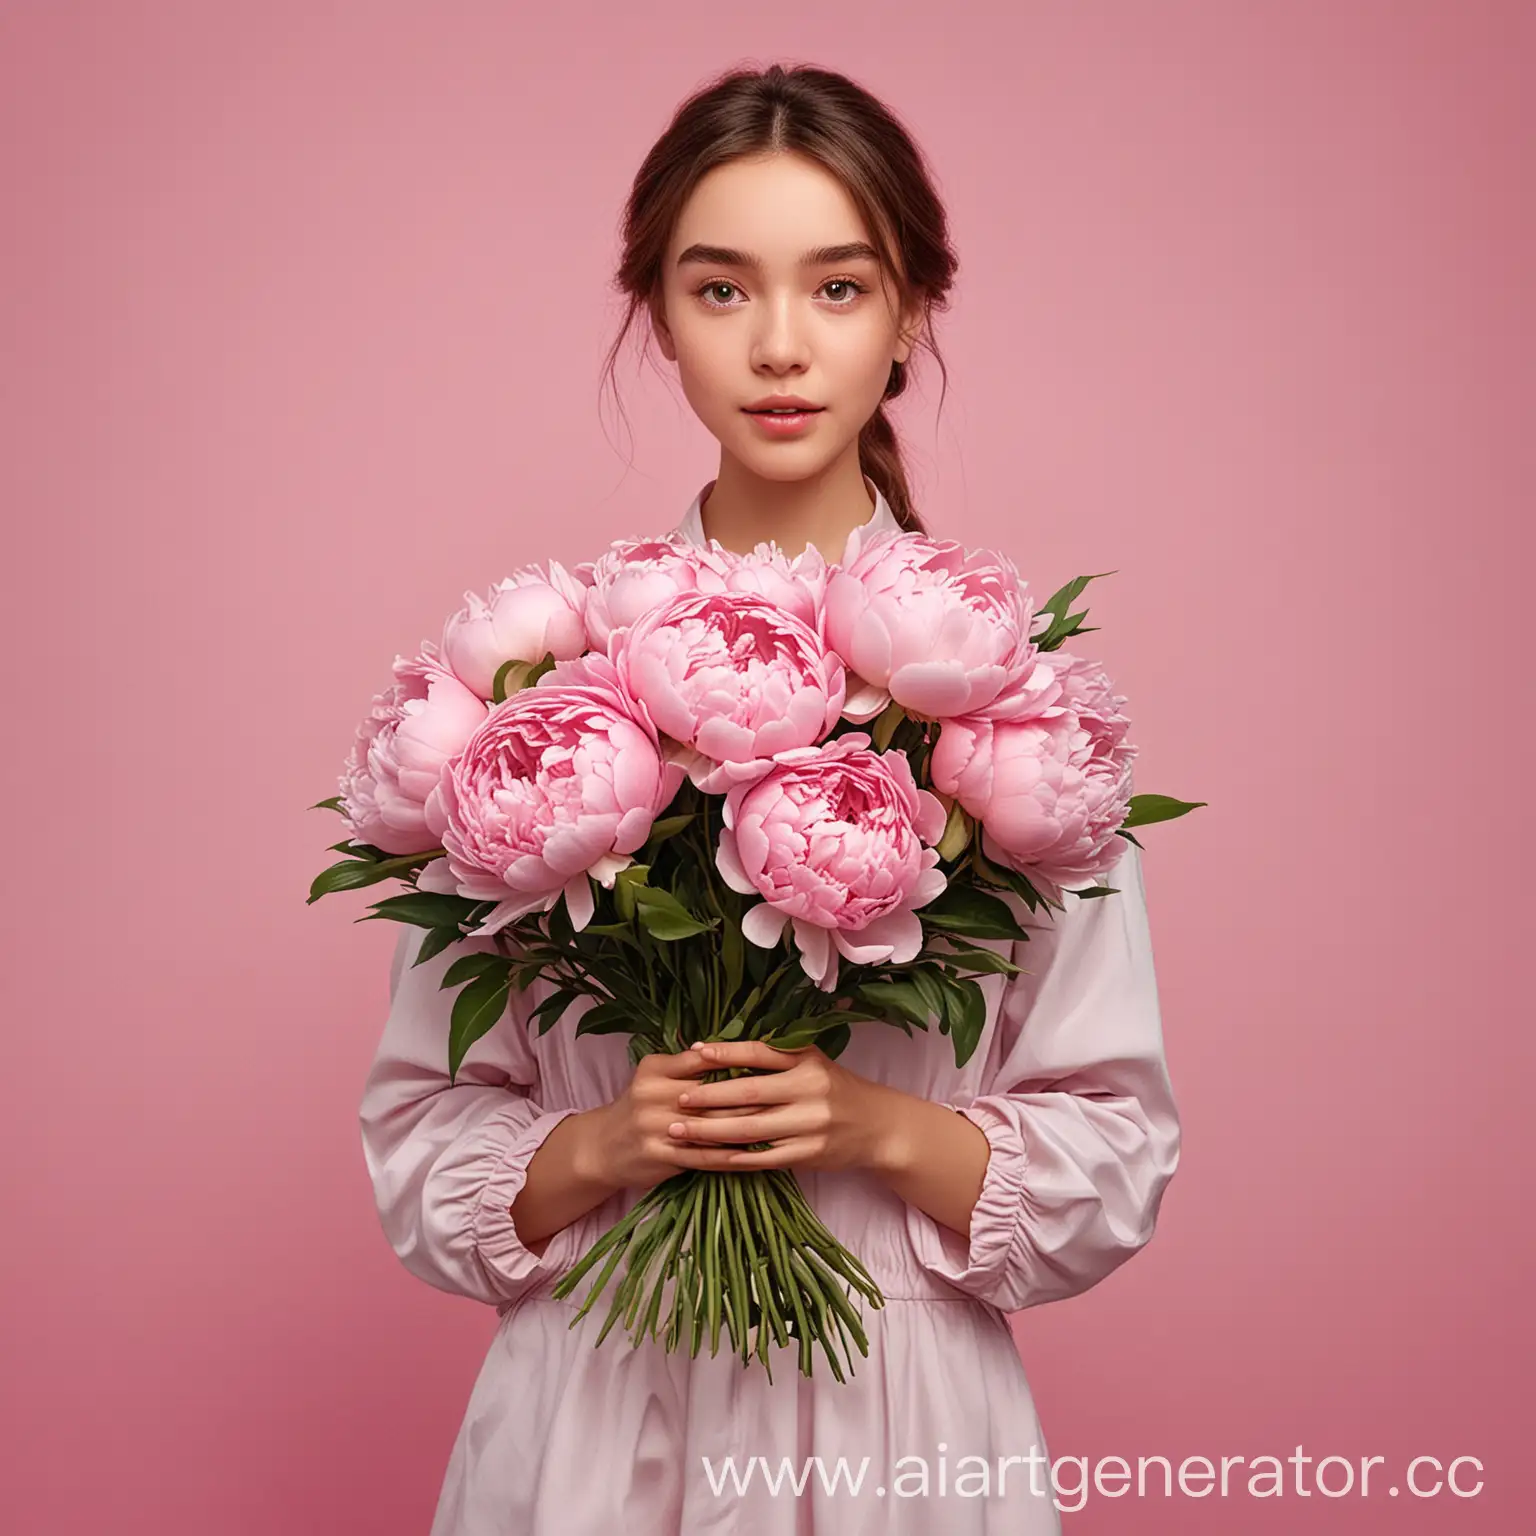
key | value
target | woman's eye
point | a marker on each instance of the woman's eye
(850, 288)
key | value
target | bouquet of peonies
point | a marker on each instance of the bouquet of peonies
(709, 796)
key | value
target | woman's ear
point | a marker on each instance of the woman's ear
(659, 327)
(911, 328)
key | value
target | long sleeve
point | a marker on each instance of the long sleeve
(447, 1161)
(1077, 1107)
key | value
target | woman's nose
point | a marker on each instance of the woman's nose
(781, 339)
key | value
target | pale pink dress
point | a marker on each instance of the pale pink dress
(1069, 1084)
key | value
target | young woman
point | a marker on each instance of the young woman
(787, 249)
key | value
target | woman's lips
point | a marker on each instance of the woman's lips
(785, 423)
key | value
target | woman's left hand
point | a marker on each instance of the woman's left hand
(816, 1113)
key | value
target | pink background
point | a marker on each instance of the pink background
(301, 324)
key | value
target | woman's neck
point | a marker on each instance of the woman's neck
(742, 510)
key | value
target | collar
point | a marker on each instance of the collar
(692, 526)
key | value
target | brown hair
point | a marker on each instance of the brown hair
(826, 118)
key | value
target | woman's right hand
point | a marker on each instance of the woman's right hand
(630, 1146)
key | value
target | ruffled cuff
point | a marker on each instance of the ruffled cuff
(513, 1267)
(989, 1265)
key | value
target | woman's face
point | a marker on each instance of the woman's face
(747, 315)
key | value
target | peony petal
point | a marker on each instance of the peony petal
(818, 957)
(931, 817)
(931, 884)
(438, 877)
(633, 829)
(863, 701)
(900, 932)
(724, 740)
(569, 850)
(578, 901)
(607, 870)
(763, 925)
(505, 912)
(932, 688)
(860, 951)
(728, 862)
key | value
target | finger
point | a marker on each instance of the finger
(716, 1115)
(760, 1088)
(783, 1120)
(785, 1154)
(750, 1053)
(688, 1063)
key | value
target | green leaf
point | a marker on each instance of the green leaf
(927, 986)
(972, 913)
(883, 727)
(434, 942)
(672, 1020)
(475, 1012)
(731, 945)
(525, 974)
(736, 1025)
(480, 963)
(405, 861)
(985, 960)
(499, 682)
(429, 909)
(759, 962)
(1098, 890)
(625, 883)
(968, 1019)
(668, 826)
(958, 831)
(1145, 809)
(549, 1012)
(1011, 880)
(349, 875)
(1062, 622)
(951, 1002)
(369, 869)
(620, 931)
(333, 804)
(698, 981)
(900, 995)
(513, 676)
(801, 1032)
(615, 1018)
(357, 850)
(833, 1041)
(664, 917)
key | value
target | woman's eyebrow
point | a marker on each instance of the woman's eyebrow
(823, 255)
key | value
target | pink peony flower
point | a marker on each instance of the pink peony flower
(941, 630)
(533, 612)
(833, 839)
(561, 781)
(1049, 791)
(796, 583)
(635, 575)
(414, 726)
(732, 679)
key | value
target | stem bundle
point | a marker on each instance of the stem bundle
(739, 1249)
